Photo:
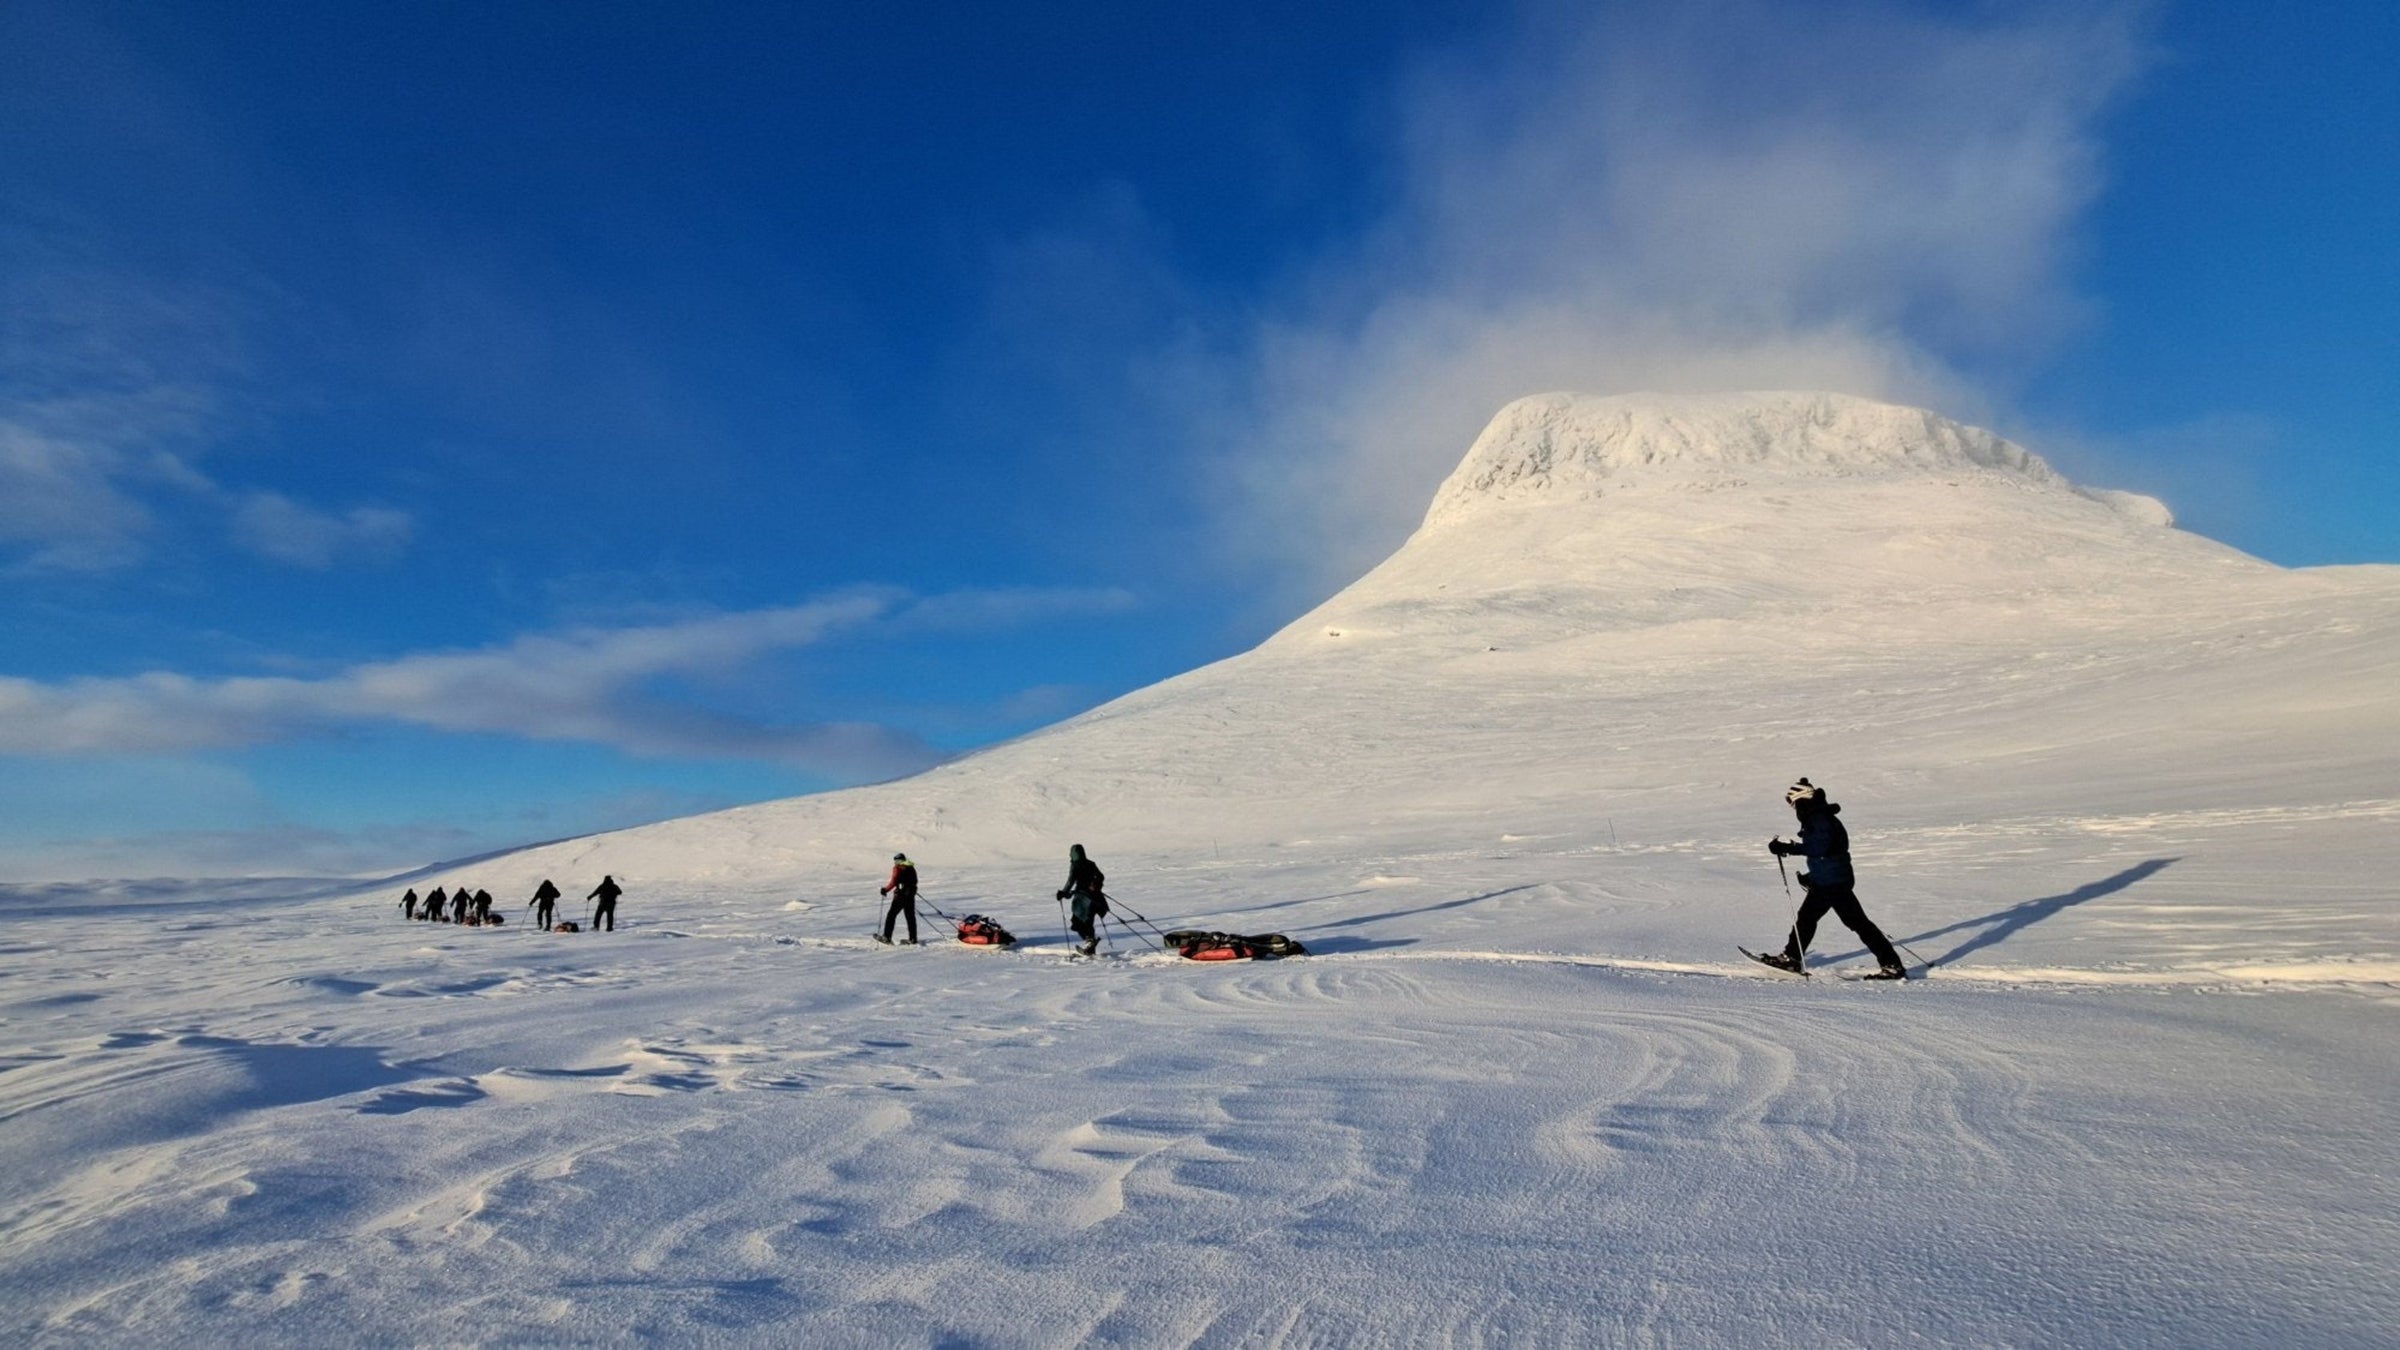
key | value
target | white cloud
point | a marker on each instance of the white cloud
(1858, 196)
(592, 685)
(274, 526)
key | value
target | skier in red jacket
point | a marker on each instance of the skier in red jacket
(903, 889)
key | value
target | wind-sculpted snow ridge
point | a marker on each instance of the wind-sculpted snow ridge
(1567, 445)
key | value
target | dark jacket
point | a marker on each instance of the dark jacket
(606, 892)
(1084, 878)
(1825, 844)
(547, 894)
(904, 880)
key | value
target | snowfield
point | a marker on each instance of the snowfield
(2129, 797)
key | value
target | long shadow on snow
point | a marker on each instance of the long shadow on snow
(1357, 919)
(1336, 945)
(2001, 925)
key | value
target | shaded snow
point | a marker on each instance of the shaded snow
(2128, 793)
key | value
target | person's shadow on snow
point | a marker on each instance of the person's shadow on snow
(2000, 926)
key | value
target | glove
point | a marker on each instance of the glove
(883, 890)
(1775, 846)
(1062, 895)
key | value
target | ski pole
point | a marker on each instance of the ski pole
(1136, 931)
(1792, 941)
(937, 913)
(1114, 905)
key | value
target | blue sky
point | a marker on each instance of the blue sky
(426, 427)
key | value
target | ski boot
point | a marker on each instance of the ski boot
(1781, 961)
(1888, 973)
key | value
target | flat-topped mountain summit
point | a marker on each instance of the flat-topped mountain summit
(1550, 445)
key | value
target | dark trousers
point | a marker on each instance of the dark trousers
(542, 913)
(1845, 906)
(605, 916)
(1088, 909)
(903, 902)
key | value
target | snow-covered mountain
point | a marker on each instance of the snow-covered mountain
(2126, 797)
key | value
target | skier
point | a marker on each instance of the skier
(437, 905)
(1828, 881)
(903, 889)
(1084, 882)
(606, 893)
(408, 904)
(483, 905)
(462, 903)
(544, 904)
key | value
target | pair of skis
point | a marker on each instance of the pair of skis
(1776, 963)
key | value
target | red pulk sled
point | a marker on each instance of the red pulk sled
(977, 931)
(1194, 944)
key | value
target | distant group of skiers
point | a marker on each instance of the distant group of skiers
(475, 908)
(460, 906)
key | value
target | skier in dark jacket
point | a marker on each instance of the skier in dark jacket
(408, 904)
(483, 905)
(902, 887)
(1829, 881)
(437, 905)
(606, 893)
(462, 904)
(1084, 883)
(544, 904)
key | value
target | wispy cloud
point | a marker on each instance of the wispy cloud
(274, 526)
(112, 388)
(61, 503)
(592, 685)
(1871, 197)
